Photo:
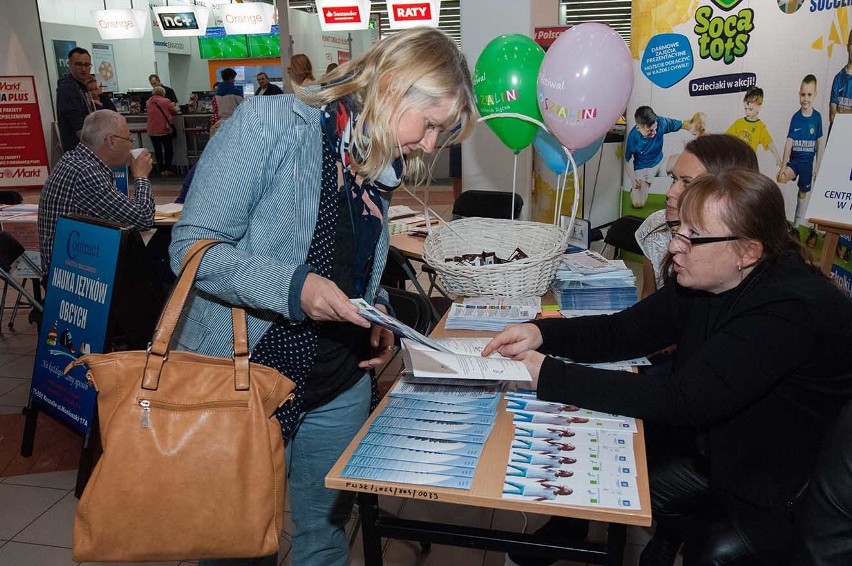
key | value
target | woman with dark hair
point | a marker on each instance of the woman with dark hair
(762, 339)
(711, 153)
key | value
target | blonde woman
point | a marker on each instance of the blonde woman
(300, 70)
(297, 188)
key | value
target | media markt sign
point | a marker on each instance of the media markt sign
(339, 15)
(23, 154)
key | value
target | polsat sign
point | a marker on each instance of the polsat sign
(404, 14)
(342, 15)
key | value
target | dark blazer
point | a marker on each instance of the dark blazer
(761, 371)
(270, 89)
(73, 104)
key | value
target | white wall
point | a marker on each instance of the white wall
(22, 54)
(487, 163)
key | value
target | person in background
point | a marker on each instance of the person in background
(300, 70)
(154, 81)
(82, 181)
(804, 149)
(744, 290)
(841, 87)
(710, 153)
(266, 88)
(160, 125)
(750, 128)
(297, 188)
(228, 95)
(101, 100)
(73, 101)
(645, 147)
(330, 68)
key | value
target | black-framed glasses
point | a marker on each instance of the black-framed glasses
(82, 65)
(672, 224)
(688, 241)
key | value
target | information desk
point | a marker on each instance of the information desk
(487, 492)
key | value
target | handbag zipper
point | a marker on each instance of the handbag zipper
(146, 405)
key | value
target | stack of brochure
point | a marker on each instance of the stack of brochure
(571, 456)
(427, 435)
(588, 281)
(492, 313)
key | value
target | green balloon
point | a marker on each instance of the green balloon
(505, 80)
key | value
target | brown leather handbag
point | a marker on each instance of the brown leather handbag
(193, 458)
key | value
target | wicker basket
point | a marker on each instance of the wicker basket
(543, 243)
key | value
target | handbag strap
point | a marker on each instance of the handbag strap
(158, 350)
(171, 127)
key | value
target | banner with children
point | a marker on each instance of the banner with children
(773, 74)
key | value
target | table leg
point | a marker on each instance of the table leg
(368, 507)
(615, 539)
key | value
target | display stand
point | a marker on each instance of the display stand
(100, 298)
(833, 230)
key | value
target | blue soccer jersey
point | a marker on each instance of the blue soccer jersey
(804, 131)
(648, 152)
(841, 90)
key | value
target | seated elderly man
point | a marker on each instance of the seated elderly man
(82, 181)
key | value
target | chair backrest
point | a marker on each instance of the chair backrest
(411, 308)
(399, 271)
(11, 197)
(10, 250)
(824, 515)
(487, 204)
(622, 234)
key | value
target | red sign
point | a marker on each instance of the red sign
(412, 12)
(546, 36)
(23, 155)
(343, 56)
(342, 15)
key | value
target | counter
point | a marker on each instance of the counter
(190, 142)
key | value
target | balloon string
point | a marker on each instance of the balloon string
(514, 182)
(576, 190)
(556, 199)
(514, 115)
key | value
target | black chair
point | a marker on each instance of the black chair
(11, 197)
(620, 235)
(411, 308)
(399, 272)
(487, 204)
(824, 516)
(10, 250)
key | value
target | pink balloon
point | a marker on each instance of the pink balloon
(584, 84)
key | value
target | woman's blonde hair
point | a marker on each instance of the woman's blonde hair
(300, 69)
(159, 91)
(416, 68)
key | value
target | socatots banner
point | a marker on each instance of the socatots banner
(772, 73)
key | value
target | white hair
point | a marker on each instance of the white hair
(98, 125)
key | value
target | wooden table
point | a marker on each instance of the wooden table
(410, 246)
(487, 491)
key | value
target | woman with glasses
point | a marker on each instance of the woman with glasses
(297, 189)
(760, 372)
(710, 153)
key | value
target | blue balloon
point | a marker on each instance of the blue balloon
(585, 153)
(551, 150)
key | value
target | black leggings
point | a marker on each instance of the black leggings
(686, 512)
(159, 143)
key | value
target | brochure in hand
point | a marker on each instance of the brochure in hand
(374, 315)
(462, 362)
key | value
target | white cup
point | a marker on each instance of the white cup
(136, 152)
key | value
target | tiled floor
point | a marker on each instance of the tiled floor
(36, 509)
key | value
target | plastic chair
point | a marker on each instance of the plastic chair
(11, 197)
(399, 272)
(411, 308)
(10, 250)
(487, 204)
(621, 235)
